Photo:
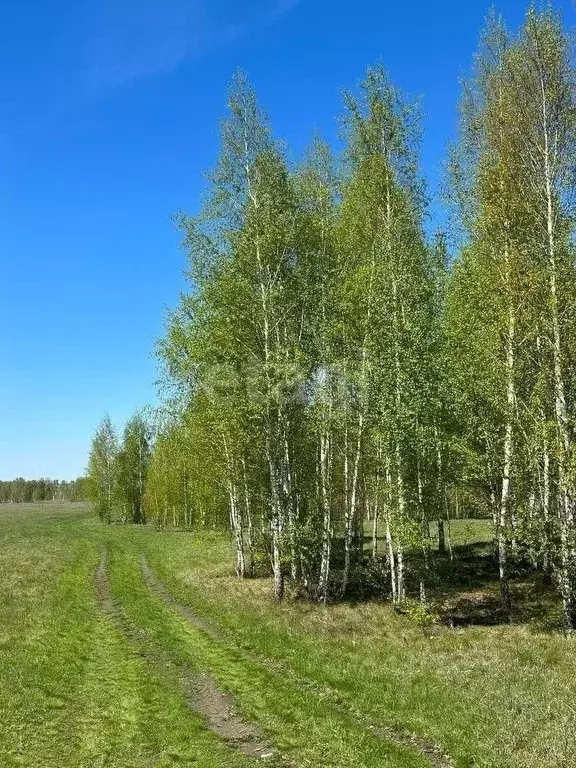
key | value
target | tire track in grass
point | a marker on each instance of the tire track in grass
(311, 729)
(202, 694)
(432, 752)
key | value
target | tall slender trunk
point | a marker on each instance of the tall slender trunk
(276, 521)
(399, 468)
(546, 502)
(449, 529)
(248, 510)
(565, 489)
(442, 495)
(350, 512)
(391, 562)
(276, 555)
(235, 513)
(441, 537)
(568, 556)
(502, 538)
(529, 533)
(401, 590)
(185, 495)
(390, 552)
(513, 533)
(424, 531)
(504, 513)
(565, 506)
(288, 495)
(324, 475)
(325, 453)
(375, 515)
(237, 529)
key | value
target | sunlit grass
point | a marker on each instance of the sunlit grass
(493, 696)
(75, 690)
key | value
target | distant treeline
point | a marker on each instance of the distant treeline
(44, 489)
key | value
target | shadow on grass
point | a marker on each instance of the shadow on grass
(461, 591)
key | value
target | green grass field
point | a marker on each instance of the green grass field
(128, 647)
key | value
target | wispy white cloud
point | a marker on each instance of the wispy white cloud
(285, 6)
(131, 39)
(104, 45)
(135, 38)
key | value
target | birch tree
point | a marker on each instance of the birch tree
(387, 319)
(102, 469)
(491, 285)
(317, 188)
(131, 467)
(544, 99)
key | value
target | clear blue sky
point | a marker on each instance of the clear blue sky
(108, 120)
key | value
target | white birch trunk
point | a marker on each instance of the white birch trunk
(391, 562)
(325, 450)
(350, 512)
(248, 510)
(401, 589)
(504, 513)
(375, 514)
(235, 513)
(546, 503)
(568, 556)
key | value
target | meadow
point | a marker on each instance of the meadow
(130, 647)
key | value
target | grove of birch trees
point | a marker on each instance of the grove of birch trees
(343, 382)
(118, 470)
